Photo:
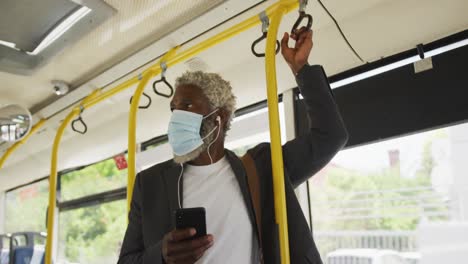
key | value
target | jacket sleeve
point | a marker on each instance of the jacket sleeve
(133, 249)
(307, 154)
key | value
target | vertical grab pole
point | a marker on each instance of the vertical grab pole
(275, 135)
(132, 119)
(53, 176)
(53, 185)
(132, 135)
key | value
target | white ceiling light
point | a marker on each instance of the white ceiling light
(60, 29)
(8, 44)
(375, 72)
(398, 64)
(44, 28)
(449, 47)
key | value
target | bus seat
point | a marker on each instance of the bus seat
(28, 255)
(38, 255)
(22, 255)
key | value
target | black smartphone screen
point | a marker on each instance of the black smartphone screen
(191, 218)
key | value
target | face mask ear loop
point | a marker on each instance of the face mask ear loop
(209, 134)
(178, 185)
(214, 111)
(208, 150)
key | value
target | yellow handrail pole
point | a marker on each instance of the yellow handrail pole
(88, 102)
(53, 174)
(53, 184)
(132, 136)
(13, 147)
(132, 122)
(275, 135)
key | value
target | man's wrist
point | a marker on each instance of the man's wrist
(298, 68)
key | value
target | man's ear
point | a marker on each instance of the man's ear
(225, 116)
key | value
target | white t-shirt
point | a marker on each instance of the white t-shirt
(215, 187)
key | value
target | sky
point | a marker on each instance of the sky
(375, 157)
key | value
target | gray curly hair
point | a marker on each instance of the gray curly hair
(214, 87)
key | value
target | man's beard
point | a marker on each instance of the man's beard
(208, 125)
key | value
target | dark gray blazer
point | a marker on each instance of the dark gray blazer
(155, 191)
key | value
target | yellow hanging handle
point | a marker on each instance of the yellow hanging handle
(275, 135)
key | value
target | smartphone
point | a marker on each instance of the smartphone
(191, 218)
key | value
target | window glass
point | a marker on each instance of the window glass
(5, 242)
(92, 235)
(153, 145)
(20, 240)
(97, 178)
(250, 129)
(26, 208)
(404, 195)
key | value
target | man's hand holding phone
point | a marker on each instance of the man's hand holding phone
(179, 246)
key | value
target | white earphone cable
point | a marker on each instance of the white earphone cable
(217, 135)
(178, 184)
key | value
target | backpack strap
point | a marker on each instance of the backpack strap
(254, 189)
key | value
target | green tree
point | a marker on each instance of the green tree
(381, 200)
(26, 208)
(93, 234)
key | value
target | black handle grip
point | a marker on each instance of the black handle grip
(264, 36)
(169, 86)
(85, 127)
(144, 106)
(302, 15)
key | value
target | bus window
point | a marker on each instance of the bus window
(250, 129)
(92, 234)
(96, 178)
(26, 208)
(377, 196)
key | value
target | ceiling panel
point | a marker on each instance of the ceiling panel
(136, 25)
(379, 28)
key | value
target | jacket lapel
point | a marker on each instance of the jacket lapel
(241, 176)
(171, 176)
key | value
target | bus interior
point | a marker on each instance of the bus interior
(396, 194)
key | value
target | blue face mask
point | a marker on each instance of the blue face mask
(184, 131)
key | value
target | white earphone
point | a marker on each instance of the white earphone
(218, 119)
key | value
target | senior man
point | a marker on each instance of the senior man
(205, 174)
